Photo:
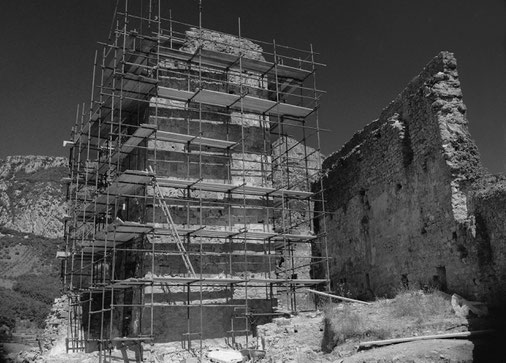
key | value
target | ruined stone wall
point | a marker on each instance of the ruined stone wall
(398, 196)
(487, 206)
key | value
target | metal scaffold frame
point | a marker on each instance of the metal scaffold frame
(142, 190)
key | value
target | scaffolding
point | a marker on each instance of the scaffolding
(190, 185)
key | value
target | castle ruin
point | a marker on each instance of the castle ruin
(199, 206)
(408, 202)
(190, 184)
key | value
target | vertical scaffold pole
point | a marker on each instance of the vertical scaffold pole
(322, 200)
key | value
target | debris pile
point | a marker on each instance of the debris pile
(293, 339)
(53, 338)
(52, 341)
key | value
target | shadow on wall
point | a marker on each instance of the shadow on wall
(172, 323)
(409, 203)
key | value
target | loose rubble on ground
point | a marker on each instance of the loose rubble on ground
(291, 338)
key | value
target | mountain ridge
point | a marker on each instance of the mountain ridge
(32, 212)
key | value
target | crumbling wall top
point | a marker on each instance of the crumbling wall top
(220, 42)
(438, 87)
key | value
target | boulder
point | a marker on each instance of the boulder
(225, 356)
(463, 307)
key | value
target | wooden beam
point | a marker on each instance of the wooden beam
(465, 334)
(338, 297)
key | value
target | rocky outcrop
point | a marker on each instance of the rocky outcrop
(32, 196)
(407, 200)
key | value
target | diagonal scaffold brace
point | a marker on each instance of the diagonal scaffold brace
(172, 226)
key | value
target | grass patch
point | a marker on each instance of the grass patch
(409, 313)
(419, 306)
(342, 322)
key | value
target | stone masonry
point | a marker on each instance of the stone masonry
(409, 203)
(249, 164)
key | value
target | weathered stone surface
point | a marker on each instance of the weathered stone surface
(403, 202)
(462, 307)
(221, 42)
(248, 162)
(295, 165)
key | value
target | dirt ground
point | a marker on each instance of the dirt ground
(425, 351)
(300, 339)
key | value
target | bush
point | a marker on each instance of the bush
(42, 288)
(16, 306)
(31, 298)
(341, 323)
(32, 295)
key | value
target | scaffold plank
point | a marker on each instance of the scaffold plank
(109, 245)
(216, 98)
(214, 233)
(294, 237)
(116, 100)
(142, 132)
(175, 94)
(251, 104)
(125, 183)
(249, 235)
(216, 281)
(135, 84)
(112, 234)
(231, 188)
(224, 61)
(120, 231)
(196, 140)
(248, 104)
(132, 339)
(125, 231)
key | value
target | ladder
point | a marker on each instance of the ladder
(172, 226)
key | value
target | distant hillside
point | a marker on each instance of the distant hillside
(29, 277)
(32, 208)
(32, 196)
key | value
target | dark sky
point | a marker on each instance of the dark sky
(372, 50)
